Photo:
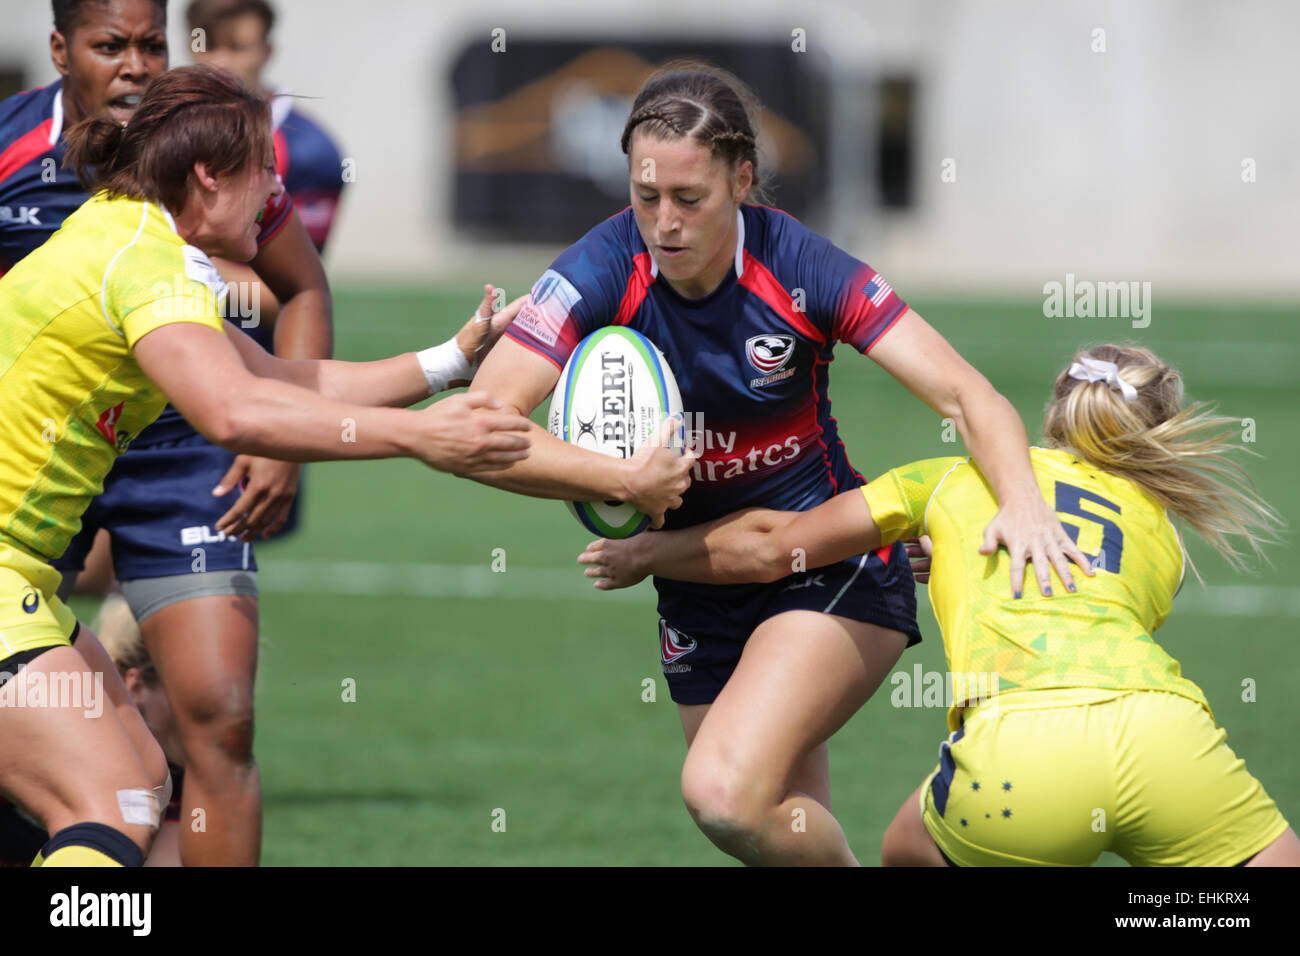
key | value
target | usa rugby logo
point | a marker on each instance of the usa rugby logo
(673, 644)
(769, 353)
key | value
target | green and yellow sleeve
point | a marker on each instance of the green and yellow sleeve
(898, 498)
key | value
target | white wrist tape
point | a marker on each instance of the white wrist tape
(444, 364)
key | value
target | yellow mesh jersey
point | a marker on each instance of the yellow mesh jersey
(72, 393)
(1098, 637)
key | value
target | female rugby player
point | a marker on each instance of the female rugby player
(1073, 732)
(202, 624)
(746, 305)
(116, 314)
(172, 491)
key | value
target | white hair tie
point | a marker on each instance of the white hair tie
(1095, 370)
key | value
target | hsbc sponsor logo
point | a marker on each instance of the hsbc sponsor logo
(548, 307)
(769, 355)
(674, 645)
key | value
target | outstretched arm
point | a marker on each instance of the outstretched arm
(398, 381)
(756, 545)
(203, 375)
(923, 361)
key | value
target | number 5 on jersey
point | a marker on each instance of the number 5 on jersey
(1069, 501)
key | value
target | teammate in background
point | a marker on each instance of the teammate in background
(237, 37)
(116, 314)
(762, 675)
(199, 617)
(1072, 731)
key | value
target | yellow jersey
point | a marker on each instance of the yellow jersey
(1097, 637)
(73, 395)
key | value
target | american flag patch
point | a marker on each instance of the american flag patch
(877, 290)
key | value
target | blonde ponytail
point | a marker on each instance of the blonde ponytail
(1178, 455)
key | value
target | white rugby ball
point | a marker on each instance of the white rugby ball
(612, 396)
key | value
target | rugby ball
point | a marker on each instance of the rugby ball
(612, 397)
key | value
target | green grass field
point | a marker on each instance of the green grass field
(522, 691)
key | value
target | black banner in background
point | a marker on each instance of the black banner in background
(537, 129)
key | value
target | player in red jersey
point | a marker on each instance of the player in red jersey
(746, 305)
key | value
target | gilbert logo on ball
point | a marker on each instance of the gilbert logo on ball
(612, 396)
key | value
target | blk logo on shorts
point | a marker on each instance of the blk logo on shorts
(673, 644)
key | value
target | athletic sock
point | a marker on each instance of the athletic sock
(90, 844)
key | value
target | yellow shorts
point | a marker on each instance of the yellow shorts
(29, 617)
(1054, 778)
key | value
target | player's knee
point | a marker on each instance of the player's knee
(217, 720)
(722, 805)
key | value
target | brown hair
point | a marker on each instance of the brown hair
(209, 14)
(188, 115)
(1177, 454)
(708, 104)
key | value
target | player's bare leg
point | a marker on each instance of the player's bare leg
(68, 764)
(1284, 851)
(907, 842)
(119, 698)
(205, 650)
(801, 676)
(812, 777)
(166, 849)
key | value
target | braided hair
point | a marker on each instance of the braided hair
(708, 104)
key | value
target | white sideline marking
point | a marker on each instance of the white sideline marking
(415, 579)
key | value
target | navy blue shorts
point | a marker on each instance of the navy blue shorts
(703, 628)
(158, 506)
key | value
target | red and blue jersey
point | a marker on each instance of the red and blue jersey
(751, 358)
(37, 193)
(311, 167)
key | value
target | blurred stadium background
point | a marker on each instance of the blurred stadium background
(971, 152)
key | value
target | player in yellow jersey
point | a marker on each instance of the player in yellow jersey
(116, 314)
(1072, 731)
